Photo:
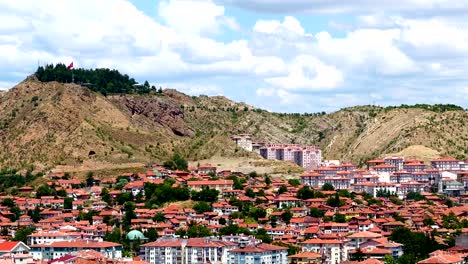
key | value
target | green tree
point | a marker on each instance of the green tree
(222, 221)
(428, 221)
(151, 234)
(273, 221)
(206, 195)
(201, 207)
(115, 236)
(176, 163)
(397, 217)
(237, 185)
(22, 234)
(262, 234)
(105, 196)
(389, 259)
(450, 221)
(415, 196)
(90, 179)
(257, 213)
(16, 213)
(335, 201)
(8, 202)
(195, 230)
(68, 203)
(358, 255)
(339, 218)
(286, 216)
(35, 214)
(249, 192)
(267, 180)
(315, 212)
(282, 189)
(306, 192)
(415, 244)
(124, 197)
(328, 187)
(294, 182)
(159, 217)
(129, 208)
(44, 190)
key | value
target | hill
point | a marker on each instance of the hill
(45, 124)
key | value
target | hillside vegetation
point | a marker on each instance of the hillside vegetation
(45, 124)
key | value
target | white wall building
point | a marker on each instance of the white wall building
(335, 251)
(261, 253)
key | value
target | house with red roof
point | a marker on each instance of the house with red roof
(13, 248)
(446, 163)
(220, 185)
(261, 253)
(334, 250)
(60, 248)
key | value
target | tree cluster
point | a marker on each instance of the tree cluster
(176, 163)
(157, 194)
(105, 81)
(416, 245)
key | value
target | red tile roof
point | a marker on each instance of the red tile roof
(8, 246)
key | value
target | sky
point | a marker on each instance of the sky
(283, 56)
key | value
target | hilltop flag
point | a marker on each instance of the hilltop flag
(70, 66)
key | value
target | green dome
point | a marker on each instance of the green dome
(135, 235)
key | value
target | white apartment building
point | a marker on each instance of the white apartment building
(335, 251)
(163, 251)
(243, 141)
(201, 250)
(62, 248)
(261, 253)
(187, 251)
(51, 237)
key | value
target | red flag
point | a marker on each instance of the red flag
(70, 66)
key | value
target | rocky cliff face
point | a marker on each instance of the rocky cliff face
(155, 110)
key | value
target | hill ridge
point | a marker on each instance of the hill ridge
(48, 124)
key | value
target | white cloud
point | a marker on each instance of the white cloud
(195, 89)
(435, 34)
(308, 73)
(202, 17)
(285, 98)
(426, 7)
(367, 50)
(289, 25)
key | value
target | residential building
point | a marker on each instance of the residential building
(243, 141)
(395, 161)
(268, 152)
(358, 238)
(203, 250)
(305, 258)
(12, 248)
(261, 253)
(446, 163)
(334, 250)
(61, 248)
(163, 251)
(220, 185)
(49, 237)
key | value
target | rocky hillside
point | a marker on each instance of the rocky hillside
(49, 124)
